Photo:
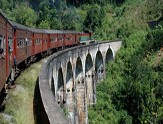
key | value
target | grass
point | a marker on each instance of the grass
(19, 104)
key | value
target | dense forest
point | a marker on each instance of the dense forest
(132, 93)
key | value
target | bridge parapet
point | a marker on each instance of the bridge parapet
(68, 80)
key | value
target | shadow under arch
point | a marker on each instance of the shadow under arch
(52, 85)
(109, 55)
(60, 87)
(99, 67)
(79, 68)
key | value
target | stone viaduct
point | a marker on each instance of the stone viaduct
(68, 80)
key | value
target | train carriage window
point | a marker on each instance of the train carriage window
(17, 42)
(29, 42)
(1, 45)
(46, 41)
(10, 43)
(35, 41)
(26, 42)
(23, 42)
(40, 41)
(52, 39)
(20, 43)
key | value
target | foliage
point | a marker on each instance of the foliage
(132, 91)
(25, 15)
(22, 99)
(94, 18)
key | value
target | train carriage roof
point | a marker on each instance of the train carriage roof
(34, 30)
(68, 31)
(37, 30)
(61, 31)
(53, 31)
(4, 16)
(18, 26)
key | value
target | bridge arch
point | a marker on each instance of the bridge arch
(60, 87)
(109, 55)
(99, 66)
(89, 78)
(78, 71)
(69, 87)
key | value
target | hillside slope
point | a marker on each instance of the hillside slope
(132, 92)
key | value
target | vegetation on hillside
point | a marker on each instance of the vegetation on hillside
(133, 89)
(22, 102)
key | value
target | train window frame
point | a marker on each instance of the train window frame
(10, 43)
(29, 42)
(52, 39)
(35, 41)
(17, 40)
(55, 39)
(20, 43)
(1, 47)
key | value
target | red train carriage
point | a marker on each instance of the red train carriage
(2, 49)
(37, 41)
(6, 49)
(22, 43)
(53, 39)
(70, 38)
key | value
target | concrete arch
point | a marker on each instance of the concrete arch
(88, 63)
(89, 79)
(60, 87)
(78, 69)
(99, 66)
(109, 55)
(69, 72)
(69, 87)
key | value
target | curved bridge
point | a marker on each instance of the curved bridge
(68, 80)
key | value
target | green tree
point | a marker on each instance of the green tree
(44, 25)
(25, 15)
(94, 18)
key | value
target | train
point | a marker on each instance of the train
(21, 45)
